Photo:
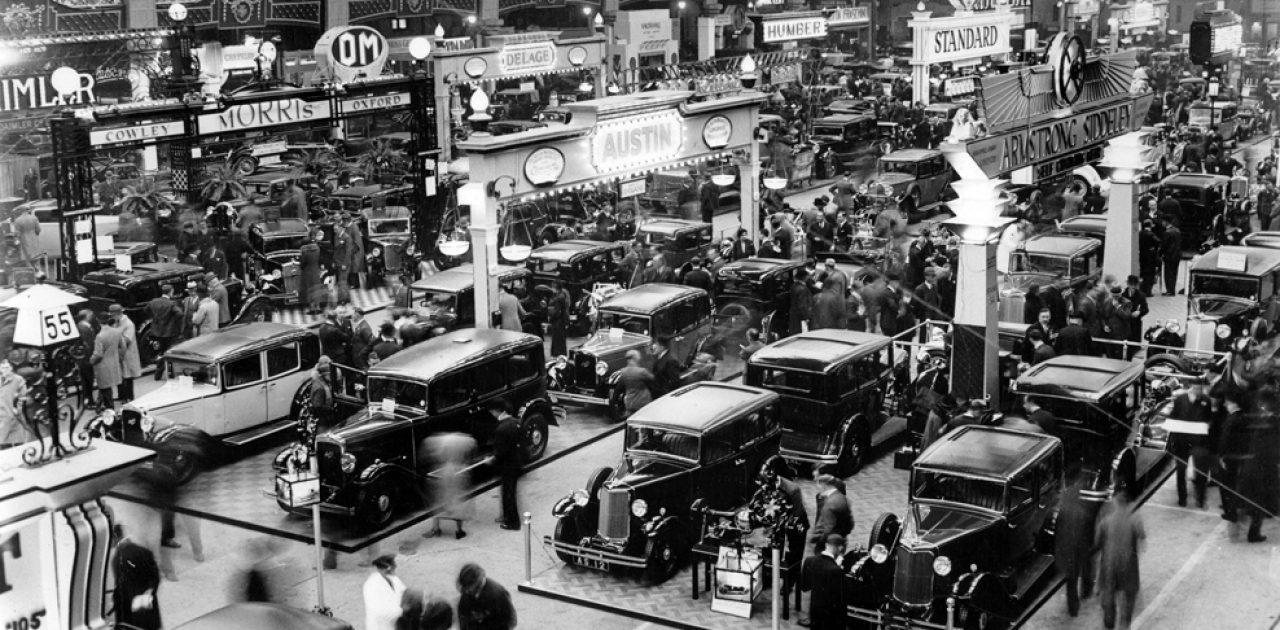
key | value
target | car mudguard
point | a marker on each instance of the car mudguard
(248, 306)
(376, 472)
(565, 507)
(982, 591)
(661, 526)
(543, 405)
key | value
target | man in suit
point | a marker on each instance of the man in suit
(335, 339)
(1170, 254)
(927, 301)
(890, 305)
(386, 344)
(833, 516)
(1040, 351)
(166, 322)
(666, 370)
(137, 577)
(508, 458)
(822, 575)
(1138, 301)
(1188, 441)
(801, 303)
(1075, 339)
(1051, 298)
(1048, 333)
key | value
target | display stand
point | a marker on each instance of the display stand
(739, 579)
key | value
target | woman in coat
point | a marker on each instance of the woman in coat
(636, 383)
(108, 347)
(829, 309)
(130, 361)
(310, 287)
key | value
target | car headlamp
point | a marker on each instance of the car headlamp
(562, 362)
(377, 251)
(580, 497)
(348, 463)
(942, 566)
(639, 508)
(1223, 331)
(602, 368)
(879, 553)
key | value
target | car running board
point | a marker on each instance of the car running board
(240, 439)
(1028, 572)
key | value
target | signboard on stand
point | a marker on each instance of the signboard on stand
(959, 38)
(787, 28)
(345, 53)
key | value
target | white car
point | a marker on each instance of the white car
(49, 230)
(237, 384)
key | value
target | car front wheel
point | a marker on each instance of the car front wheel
(660, 560)
(534, 437)
(379, 504)
(567, 532)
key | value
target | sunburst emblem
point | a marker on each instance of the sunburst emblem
(1067, 54)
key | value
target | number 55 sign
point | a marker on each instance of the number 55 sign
(44, 318)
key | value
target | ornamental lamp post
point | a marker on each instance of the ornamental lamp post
(484, 247)
(974, 336)
(1124, 156)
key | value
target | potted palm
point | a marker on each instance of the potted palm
(222, 183)
(380, 159)
(147, 201)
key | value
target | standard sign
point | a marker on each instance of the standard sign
(367, 104)
(527, 58)
(788, 29)
(637, 140)
(962, 38)
(264, 114)
(136, 133)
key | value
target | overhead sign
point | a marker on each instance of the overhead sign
(136, 133)
(36, 92)
(793, 28)
(849, 15)
(527, 58)
(345, 53)
(1067, 57)
(264, 114)
(369, 104)
(627, 143)
(962, 38)
(1003, 153)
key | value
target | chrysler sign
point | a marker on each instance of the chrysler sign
(264, 114)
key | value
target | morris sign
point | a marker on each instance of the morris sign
(630, 142)
(264, 114)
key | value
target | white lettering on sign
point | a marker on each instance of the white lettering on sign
(24, 93)
(849, 15)
(630, 142)
(527, 58)
(395, 100)
(358, 49)
(265, 114)
(794, 28)
(137, 133)
(347, 52)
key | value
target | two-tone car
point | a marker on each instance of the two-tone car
(446, 301)
(631, 320)
(585, 268)
(371, 466)
(1067, 264)
(833, 384)
(977, 531)
(701, 443)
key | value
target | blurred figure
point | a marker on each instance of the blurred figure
(822, 575)
(1118, 540)
(382, 594)
(636, 382)
(1188, 440)
(137, 579)
(834, 515)
(412, 604)
(13, 393)
(1258, 488)
(484, 604)
(255, 583)
(1073, 545)
(451, 453)
(27, 227)
(753, 343)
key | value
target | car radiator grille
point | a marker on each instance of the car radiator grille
(615, 514)
(330, 457)
(1200, 336)
(913, 577)
(584, 370)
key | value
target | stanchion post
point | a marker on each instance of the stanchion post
(776, 586)
(528, 548)
(319, 543)
(951, 613)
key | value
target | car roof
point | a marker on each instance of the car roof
(1078, 376)
(562, 251)
(141, 272)
(670, 226)
(1085, 223)
(757, 267)
(1202, 180)
(450, 351)
(701, 406)
(647, 298)
(461, 278)
(819, 350)
(283, 226)
(366, 191)
(842, 118)
(1060, 244)
(982, 451)
(1258, 261)
(1267, 239)
(911, 155)
(233, 339)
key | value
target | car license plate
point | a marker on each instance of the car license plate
(592, 563)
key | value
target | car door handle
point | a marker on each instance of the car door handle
(739, 462)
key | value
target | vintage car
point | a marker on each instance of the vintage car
(920, 180)
(755, 293)
(446, 300)
(705, 442)
(277, 247)
(237, 384)
(357, 199)
(587, 271)
(371, 466)
(663, 193)
(1231, 294)
(1052, 262)
(133, 289)
(833, 385)
(1099, 406)
(275, 184)
(1201, 116)
(631, 320)
(1201, 197)
(679, 239)
(1085, 225)
(851, 106)
(1268, 239)
(388, 233)
(844, 134)
(981, 504)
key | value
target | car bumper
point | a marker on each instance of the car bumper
(593, 558)
(586, 399)
(325, 508)
(898, 621)
(806, 457)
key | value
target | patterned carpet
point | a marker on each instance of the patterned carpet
(368, 300)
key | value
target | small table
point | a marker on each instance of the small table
(705, 557)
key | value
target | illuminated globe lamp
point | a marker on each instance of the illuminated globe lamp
(65, 81)
(419, 48)
(598, 21)
(723, 179)
(773, 181)
(748, 72)
(480, 111)
(439, 31)
(177, 12)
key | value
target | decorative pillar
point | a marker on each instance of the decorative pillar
(919, 69)
(749, 183)
(975, 340)
(1120, 253)
(484, 248)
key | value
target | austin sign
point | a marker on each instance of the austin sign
(630, 142)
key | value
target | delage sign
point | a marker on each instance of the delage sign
(264, 114)
(626, 143)
(527, 58)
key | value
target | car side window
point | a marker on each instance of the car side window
(1022, 490)
(489, 378)
(720, 443)
(663, 323)
(521, 367)
(241, 372)
(686, 316)
(282, 359)
(1047, 475)
(450, 391)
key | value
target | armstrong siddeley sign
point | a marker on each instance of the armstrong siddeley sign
(626, 143)
(263, 114)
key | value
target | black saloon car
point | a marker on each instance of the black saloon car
(981, 499)
(755, 293)
(1064, 263)
(703, 441)
(1232, 294)
(582, 266)
(1201, 197)
(370, 465)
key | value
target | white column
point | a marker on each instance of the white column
(975, 339)
(919, 84)
(706, 38)
(1120, 255)
(484, 249)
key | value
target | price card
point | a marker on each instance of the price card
(124, 263)
(186, 381)
(45, 326)
(388, 405)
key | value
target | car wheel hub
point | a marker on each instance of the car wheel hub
(384, 502)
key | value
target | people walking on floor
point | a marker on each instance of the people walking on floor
(382, 593)
(450, 454)
(137, 583)
(108, 350)
(1073, 545)
(1118, 540)
(484, 604)
(636, 382)
(508, 458)
(1192, 414)
(833, 515)
(1170, 255)
(821, 574)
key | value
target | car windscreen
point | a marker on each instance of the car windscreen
(200, 373)
(788, 381)
(1189, 193)
(629, 322)
(898, 167)
(939, 486)
(1024, 262)
(545, 265)
(282, 243)
(110, 293)
(405, 393)
(437, 302)
(389, 226)
(644, 441)
(828, 130)
(738, 285)
(1217, 284)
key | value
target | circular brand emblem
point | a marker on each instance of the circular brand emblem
(475, 67)
(349, 52)
(544, 166)
(717, 131)
(577, 55)
(1067, 58)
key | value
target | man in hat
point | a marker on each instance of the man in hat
(834, 515)
(508, 458)
(382, 592)
(218, 293)
(205, 318)
(321, 401)
(484, 604)
(709, 199)
(13, 394)
(822, 575)
(27, 227)
(166, 322)
(108, 347)
(130, 360)
(666, 370)
(819, 232)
